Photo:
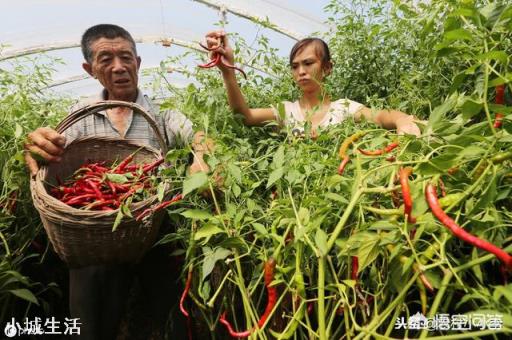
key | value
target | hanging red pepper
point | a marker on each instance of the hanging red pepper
(343, 164)
(268, 277)
(500, 99)
(460, 233)
(344, 148)
(404, 174)
(218, 59)
(182, 300)
(355, 268)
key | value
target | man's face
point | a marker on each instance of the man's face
(116, 66)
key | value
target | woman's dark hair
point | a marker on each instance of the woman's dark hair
(108, 31)
(321, 47)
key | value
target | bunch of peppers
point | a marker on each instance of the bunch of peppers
(95, 186)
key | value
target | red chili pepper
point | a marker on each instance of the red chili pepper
(147, 168)
(120, 167)
(343, 164)
(268, 277)
(426, 282)
(185, 293)
(218, 59)
(311, 307)
(403, 174)
(378, 152)
(212, 63)
(211, 49)
(355, 268)
(273, 195)
(94, 186)
(79, 199)
(231, 331)
(460, 233)
(159, 207)
(500, 99)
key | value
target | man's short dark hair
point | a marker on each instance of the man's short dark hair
(108, 31)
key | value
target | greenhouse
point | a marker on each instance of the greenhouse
(218, 169)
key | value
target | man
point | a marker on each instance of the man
(98, 293)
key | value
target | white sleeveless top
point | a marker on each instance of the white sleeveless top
(339, 110)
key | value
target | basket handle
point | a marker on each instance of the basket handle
(81, 113)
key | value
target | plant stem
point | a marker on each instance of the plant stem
(438, 299)
(214, 297)
(321, 299)
(376, 321)
(344, 218)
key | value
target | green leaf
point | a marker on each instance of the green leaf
(446, 51)
(260, 228)
(500, 56)
(116, 178)
(336, 197)
(439, 164)
(367, 247)
(196, 181)
(126, 210)
(196, 214)
(470, 108)
(117, 221)
(440, 111)
(488, 197)
(235, 189)
(503, 291)
(160, 191)
(458, 34)
(278, 160)
(211, 257)
(500, 80)
(235, 172)
(25, 294)
(275, 176)
(18, 131)
(321, 241)
(207, 231)
(476, 269)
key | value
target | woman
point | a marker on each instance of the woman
(310, 63)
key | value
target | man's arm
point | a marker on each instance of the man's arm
(390, 119)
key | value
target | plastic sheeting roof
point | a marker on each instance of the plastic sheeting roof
(36, 24)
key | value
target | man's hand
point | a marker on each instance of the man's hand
(201, 146)
(45, 143)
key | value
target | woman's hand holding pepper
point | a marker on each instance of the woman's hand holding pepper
(217, 41)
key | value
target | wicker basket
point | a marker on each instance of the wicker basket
(84, 237)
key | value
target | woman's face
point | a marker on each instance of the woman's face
(307, 69)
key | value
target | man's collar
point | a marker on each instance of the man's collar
(141, 100)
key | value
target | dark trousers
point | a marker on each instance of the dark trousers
(141, 296)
